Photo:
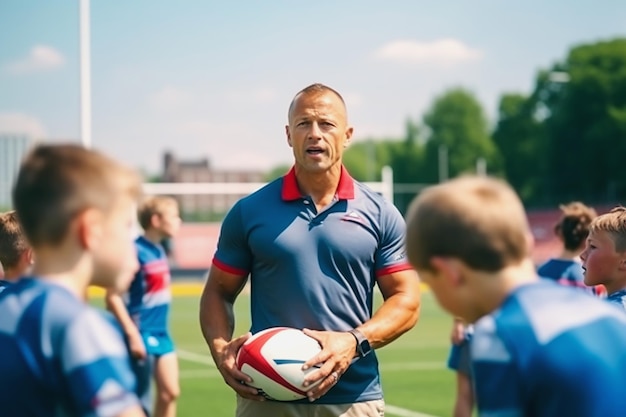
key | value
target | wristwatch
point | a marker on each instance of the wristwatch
(363, 347)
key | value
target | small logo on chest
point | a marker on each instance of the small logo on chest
(353, 216)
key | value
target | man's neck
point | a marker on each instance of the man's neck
(322, 186)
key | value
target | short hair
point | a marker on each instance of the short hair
(613, 223)
(316, 88)
(13, 243)
(479, 220)
(57, 182)
(573, 226)
(151, 206)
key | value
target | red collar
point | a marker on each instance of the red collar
(290, 190)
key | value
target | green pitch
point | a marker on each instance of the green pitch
(415, 380)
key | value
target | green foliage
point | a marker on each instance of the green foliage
(518, 136)
(277, 172)
(457, 122)
(586, 122)
(365, 159)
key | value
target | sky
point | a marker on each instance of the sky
(214, 79)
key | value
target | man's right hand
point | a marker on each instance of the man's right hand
(227, 365)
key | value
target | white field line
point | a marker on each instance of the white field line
(389, 409)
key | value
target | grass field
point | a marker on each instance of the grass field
(415, 380)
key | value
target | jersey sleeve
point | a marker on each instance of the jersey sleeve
(96, 365)
(233, 253)
(497, 382)
(391, 253)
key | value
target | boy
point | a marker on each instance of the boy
(59, 355)
(144, 315)
(15, 254)
(604, 257)
(539, 348)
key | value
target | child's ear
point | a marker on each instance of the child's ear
(89, 226)
(448, 268)
(154, 220)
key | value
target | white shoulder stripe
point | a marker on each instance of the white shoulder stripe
(556, 312)
(89, 338)
(486, 346)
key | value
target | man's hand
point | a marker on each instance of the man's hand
(338, 351)
(227, 365)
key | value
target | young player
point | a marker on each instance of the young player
(144, 313)
(572, 230)
(538, 349)
(604, 257)
(59, 355)
(15, 254)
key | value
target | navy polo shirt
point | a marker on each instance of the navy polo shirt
(315, 269)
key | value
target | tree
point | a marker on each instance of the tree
(519, 138)
(457, 123)
(586, 122)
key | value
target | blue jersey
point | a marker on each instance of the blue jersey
(550, 351)
(149, 297)
(566, 272)
(459, 359)
(618, 298)
(315, 269)
(60, 357)
(4, 284)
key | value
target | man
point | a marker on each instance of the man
(314, 243)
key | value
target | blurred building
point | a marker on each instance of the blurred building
(13, 148)
(175, 170)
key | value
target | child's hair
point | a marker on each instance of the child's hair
(13, 243)
(479, 220)
(57, 182)
(614, 223)
(153, 205)
(573, 226)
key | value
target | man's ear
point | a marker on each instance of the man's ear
(447, 268)
(288, 134)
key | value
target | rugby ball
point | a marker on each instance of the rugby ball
(273, 358)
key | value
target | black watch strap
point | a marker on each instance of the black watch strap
(363, 347)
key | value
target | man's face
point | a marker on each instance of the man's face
(318, 131)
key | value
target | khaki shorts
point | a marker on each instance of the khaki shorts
(250, 408)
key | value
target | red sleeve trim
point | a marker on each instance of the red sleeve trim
(393, 268)
(230, 269)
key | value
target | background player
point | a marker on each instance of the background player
(144, 313)
(604, 257)
(15, 254)
(572, 230)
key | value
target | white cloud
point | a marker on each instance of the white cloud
(19, 123)
(169, 98)
(40, 58)
(438, 52)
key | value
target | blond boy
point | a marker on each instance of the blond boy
(604, 257)
(144, 312)
(16, 256)
(59, 355)
(539, 349)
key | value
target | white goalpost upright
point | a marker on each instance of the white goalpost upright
(384, 187)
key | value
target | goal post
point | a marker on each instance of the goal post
(384, 187)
